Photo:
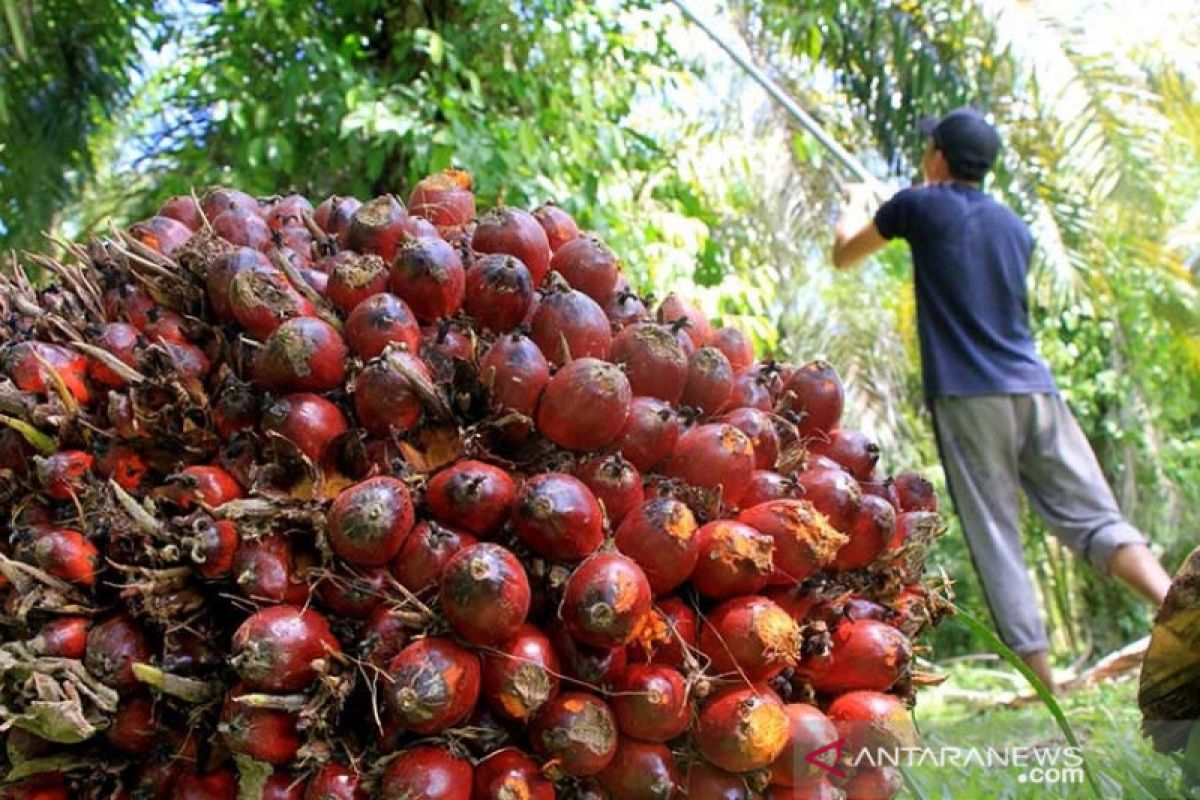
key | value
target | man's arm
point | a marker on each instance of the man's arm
(855, 236)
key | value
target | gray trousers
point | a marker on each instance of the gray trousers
(993, 445)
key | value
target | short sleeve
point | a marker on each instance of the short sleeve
(897, 217)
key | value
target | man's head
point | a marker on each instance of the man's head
(959, 146)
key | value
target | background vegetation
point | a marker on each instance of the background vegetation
(625, 116)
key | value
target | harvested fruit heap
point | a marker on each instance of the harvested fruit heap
(375, 501)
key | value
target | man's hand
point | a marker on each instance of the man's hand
(855, 236)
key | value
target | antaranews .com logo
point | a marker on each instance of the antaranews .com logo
(1037, 765)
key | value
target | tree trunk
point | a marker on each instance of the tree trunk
(1169, 693)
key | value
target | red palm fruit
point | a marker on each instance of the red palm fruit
(353, 278)
(122, 341)
(867, 655)
(513, 232)
(568, 325)
(499, 292)
(874, 783)
(334, 782)
(742, 729)
(377, 227)
(288, 211)
(521, 676)
(615, 482)
(577, 731)
(808, 730)
(242, 228)
(133, 730)
(914, 493)
(219, 279)
(216, 200)
(165, 325)
(766, 486)
(45, 786)
(751, 391)
(62, 637)
(219, 785)
(308, 421)
(63, 553)
(516, 373)
(669, 636)
(267, 569)
(378, 321)
(678, 328)
(606, 601)
(383, 636)
(303, 354)
(424, 554)
(623, 307)
(284, 786)
(558, 517)
(804, 540)
(214, 545)
(660, 535)
(355, 594)
(715, 457)
(653, 361)
(188, 361)
(871, 720)
(869, 537)
(276, 649)
(734, 559)
(206, 484)
(593, 667)
(63, 474)
(508, 773)
(333, 214)
(434, 684)
(697, 327)
(585, 405)
(651, 703)
(387, 392)
(709, 381)
(851, 449)
(113, 647)
(472, 496)
(761, 430)
(485, 594)
(706, 782)
(814, 394)
(183, 208)
(261, 298)
(736, 346)
(910, 522)
(264, 734)
(369, 521)
(128, 302)
(641, 771)
(428, 274)
(445, 199)
(426, 773)
(650, 434)
(32, 365)
(559, 226)
(161, 234)
(589, 265)
(814, 788)
(751, 636)
(444, 345)
(834, 493)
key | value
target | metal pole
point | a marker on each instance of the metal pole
(789, 105)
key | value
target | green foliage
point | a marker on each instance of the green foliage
(68, 65)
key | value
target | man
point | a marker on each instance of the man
(999, 421)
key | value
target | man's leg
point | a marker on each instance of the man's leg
(1039, 662)
(978, 441)
(1066, 486)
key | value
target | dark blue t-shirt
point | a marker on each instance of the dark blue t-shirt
(970, 258)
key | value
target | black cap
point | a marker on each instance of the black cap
(968, 141)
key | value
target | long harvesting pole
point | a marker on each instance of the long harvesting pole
(789, 105)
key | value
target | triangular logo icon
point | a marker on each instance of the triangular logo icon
(814, 758)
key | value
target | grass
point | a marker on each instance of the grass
(1104, 719)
